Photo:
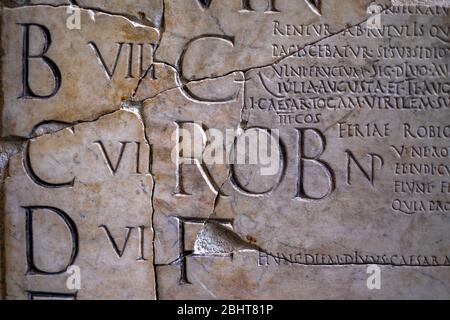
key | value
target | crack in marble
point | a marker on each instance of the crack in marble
(210, 232)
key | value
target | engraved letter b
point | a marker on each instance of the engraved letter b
(302, 158)
(27, 92)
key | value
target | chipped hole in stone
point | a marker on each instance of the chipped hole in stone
(215, 238)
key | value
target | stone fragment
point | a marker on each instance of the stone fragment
(359, 114)
(53, 73)
(195, 195)
(230, 35)
(8, 149)
(217, 278)
(264, 149)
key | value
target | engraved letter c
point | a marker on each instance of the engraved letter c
(182, 81)
(36, 179)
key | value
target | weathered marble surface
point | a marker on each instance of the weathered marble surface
(218, 278)
(361, 104)
(144, 11)
(251, 32)
(356, 216)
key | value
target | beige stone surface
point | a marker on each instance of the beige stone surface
(160, 115)
(384, 221)
(110, 210)
(220, 278)
(96, 70)
(144, 11)
(246, 36)
(7, 150)
(357, 103)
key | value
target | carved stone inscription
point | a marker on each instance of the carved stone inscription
(256, 149)
(82, 205)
